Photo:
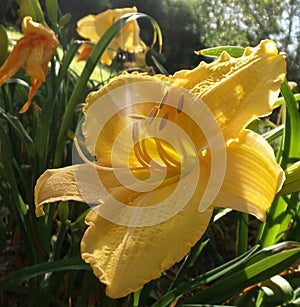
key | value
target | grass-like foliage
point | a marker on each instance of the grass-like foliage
(238, 262)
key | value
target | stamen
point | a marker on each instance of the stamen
(185, 156)
(166, 158)
(180, 103)
(164, 99)
(152, 162)
(101, 167)
(137, 116)
(163, 122)
(155, 110)
(139, 154)
(137, 147)
(152, 114)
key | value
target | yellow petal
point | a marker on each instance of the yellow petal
(116, 252)
(118, 121)
(56, 185)
(125, 258)
(86, 28)
(237, 90)
(252, 176)
(70, 183)
(93, 27)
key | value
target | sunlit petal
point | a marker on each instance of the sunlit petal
(51, 187)
(126, 258)
(252, 177)
(238, 90)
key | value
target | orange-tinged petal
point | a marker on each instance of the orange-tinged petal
(84, 51)
(33, 65)
(15, 61)
(238, 90)
(33, 53)
(35, 84)
(252, 175)
(42, 42)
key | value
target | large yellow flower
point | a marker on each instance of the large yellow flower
(33, 53)
(141, 127)
(93, 27)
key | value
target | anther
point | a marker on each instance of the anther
(137, 116)
(163, 122)
(152, 114)
(180, 103)
(164, 99)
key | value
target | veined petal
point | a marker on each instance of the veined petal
(118, 253)
(56, 185)
(252, 175)
(125, 258)
(70, 183)
(237, 90)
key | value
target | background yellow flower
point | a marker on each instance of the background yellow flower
(92, 27)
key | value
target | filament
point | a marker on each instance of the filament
(101, 167)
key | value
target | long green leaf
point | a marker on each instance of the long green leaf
(20, 130)
(204, 279)
(251, 273)
(22, 275)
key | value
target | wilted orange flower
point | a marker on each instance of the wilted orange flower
(93, 27)
(33, 53)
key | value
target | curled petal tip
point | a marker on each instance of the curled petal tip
(39, 212)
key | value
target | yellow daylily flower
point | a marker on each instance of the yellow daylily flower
(92, 27)
(33, 53)
(155, 131)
